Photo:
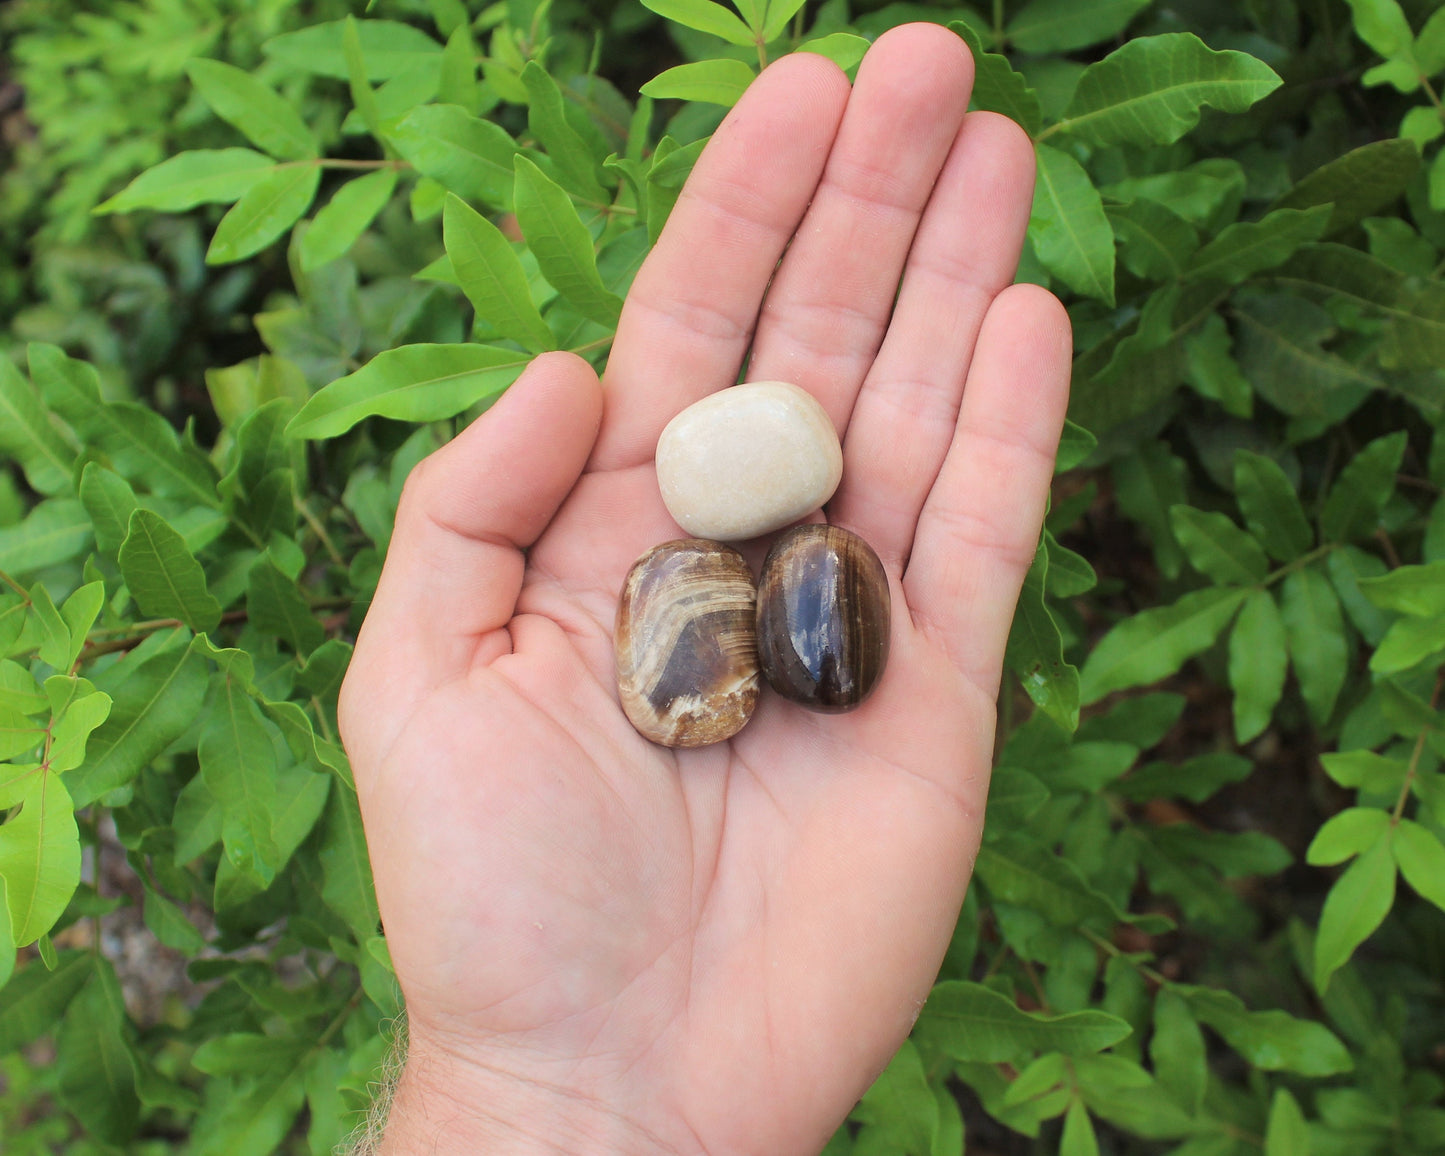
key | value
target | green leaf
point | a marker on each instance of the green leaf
(7, 946)
(1178, 1052)
(1272, 1040)
(973, 1023)
(1258, 659)
(1152, 90)
(1412, 309)
(54, 645)
(470, 156)
(1013, 796)
(712, 81)
(1287, 1134)
(97, 1079)
(779, 13)
(68, 735)
(1271, 509)
(109, 500)
(996, 86)
(492, 277)
(1069, 229)
(163, 575)
(362, 95)
(188, 179)
(1421, 859)
(18, 735)
(141, 444)
(243, 101)
(415, 383)
(842, 48)
(270, 207)
(1363, 181)
(1154, 241)
(153, 705)
(457, 77)
(1078, 1137)
(1364, 769)
(36, 997)
(196, 820)
(1359, 494)
(1157, 642)
(562, 244)
(275, 605)
(245, 1053)
(1147, 484)
(346, 867)
(169, 924)
(571, 157)
(1316, 633)
(1250, 247)
(1413, 590)
(1217, 548)
(1023, 872)
(1281, 349)
(56, 530)
(1144, 721)
(899, 1110)
(1345, 835)
(80, 611)
(1044, 26)
(1356, 905)
(1036, 651)
(239, 765)
(39, 858)
(29, 436)
(1407, 643)
(1069, 573)
(1213, 371)
(1382, 25)
(345, 217)
(19, 691)
(259, 1114)
(390, 48)
(705, 16)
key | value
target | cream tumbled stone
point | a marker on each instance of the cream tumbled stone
(747, 460)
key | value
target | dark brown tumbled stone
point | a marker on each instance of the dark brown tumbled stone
(823, 618)
(687, 665)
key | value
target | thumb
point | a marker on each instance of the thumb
(454, 567)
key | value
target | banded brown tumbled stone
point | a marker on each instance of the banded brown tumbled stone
(686, 643)
(823, 618)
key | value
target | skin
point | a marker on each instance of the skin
(607, 946)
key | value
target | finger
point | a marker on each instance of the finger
(980, 525)
(964, 255)
(454, 567)
(690, 313)
(829, 304)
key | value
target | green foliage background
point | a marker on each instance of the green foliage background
(258, 259)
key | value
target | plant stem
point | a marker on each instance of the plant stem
(1413, 770)
(304, 509)
(1299, 563)
(1119, 953)
(14, 585)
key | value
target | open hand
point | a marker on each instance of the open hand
(607, 946)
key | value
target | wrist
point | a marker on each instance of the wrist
(446, 1104)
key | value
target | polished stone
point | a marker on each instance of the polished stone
(823, 618)
(748, 460)
(685, 643)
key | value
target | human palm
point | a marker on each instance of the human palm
(610, 946)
